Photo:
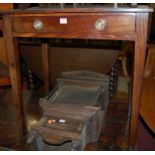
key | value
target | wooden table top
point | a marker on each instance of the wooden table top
(88, 9)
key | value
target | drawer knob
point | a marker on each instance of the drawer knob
(38, 24)
(100, 24)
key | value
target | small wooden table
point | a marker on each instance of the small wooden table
(78, 23)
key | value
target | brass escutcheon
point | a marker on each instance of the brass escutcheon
(38, 24)
(100, 24)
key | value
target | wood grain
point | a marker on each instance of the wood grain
(139, 59)
(3, 55)
(147, 109)
(149, 70)
(14, 67)
(81, 26)
(95, 9)
(3, 52)
(45, 56)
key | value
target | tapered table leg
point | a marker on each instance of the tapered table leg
(14, 68)
(45, 56)
(139, 59)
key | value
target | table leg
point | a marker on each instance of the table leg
(14, 68)
(139, 59)
(45, 55)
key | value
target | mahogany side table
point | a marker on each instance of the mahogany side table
(78, 23)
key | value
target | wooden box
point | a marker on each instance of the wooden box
(73, 112)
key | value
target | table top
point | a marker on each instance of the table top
(81, 9)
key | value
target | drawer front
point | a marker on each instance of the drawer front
(77, 25)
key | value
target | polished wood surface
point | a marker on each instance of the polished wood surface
(45, 56)
(4, 74)
(3, 54)
(147, 109)
(149, 70)
(117, 26)
(139, 59)
(14, 67)
(140, 33)
(81, 9)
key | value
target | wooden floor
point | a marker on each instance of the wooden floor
(114, 135)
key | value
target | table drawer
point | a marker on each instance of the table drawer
(77, 25)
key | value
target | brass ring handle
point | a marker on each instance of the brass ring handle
(38, 24)
(100, 24)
